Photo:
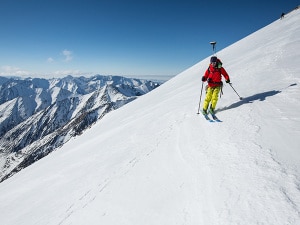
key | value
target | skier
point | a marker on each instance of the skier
(214, 79)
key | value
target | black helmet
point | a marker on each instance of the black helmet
(213, 59)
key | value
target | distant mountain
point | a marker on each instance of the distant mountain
(39, 115)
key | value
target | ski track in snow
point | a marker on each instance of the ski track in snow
(245, 168)
(91, 194)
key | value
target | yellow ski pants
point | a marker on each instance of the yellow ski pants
(212, 96)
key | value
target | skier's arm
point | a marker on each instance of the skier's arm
(225, 74)
(205, 76)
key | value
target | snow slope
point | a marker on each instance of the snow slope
(155, 161)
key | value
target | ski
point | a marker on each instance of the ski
(207, 118)
(215, 118)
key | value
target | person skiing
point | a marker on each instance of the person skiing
(213, 76)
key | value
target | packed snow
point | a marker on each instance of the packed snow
(156, 161)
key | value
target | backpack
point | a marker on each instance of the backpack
(219, 65)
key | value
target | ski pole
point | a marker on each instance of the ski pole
(200, 98)
(213, 43)
(235, 91)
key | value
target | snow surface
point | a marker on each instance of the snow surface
(156, 161)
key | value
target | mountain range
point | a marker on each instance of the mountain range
(39, 115)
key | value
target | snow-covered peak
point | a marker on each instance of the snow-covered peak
(39, 115)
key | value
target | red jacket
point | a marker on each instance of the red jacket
(213, 76)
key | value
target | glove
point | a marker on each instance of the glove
(228, 81)
(203, 78)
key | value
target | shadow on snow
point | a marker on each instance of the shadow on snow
(261, 97)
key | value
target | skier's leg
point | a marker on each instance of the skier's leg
(207, 99)
(215, 97)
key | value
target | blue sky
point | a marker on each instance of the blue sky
(113, 37)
